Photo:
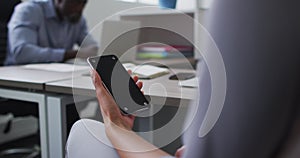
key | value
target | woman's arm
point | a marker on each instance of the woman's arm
(118, 127)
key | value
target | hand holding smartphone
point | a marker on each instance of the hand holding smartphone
(119, 84)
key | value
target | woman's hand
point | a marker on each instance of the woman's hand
(126, 142)
(109, 109)
(179, 152)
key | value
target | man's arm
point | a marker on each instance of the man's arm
(23, 37)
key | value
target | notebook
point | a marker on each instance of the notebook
(146, 71)
(193, 83)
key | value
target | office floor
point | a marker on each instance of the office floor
(19, 108)
(72, 116)
(27, 142)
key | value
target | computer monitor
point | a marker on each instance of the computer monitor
(119, 38)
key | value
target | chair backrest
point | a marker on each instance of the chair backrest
(6, 10)
(88, 139)
(3, 39)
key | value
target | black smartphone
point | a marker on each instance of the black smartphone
(119, 84)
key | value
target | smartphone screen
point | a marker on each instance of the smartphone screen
(119, 83)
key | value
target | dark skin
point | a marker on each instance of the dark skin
(71, 10)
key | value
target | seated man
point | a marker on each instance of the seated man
(46, 31)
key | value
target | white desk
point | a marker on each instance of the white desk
(82, 85)
(54, 90)
(28, 85)
(160, 90)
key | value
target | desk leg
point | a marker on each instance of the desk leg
(57, 122)
(57, 125)
(37, 98)
(146, 125)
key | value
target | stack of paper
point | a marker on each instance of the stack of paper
(56, 67)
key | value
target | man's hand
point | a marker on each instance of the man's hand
(81, 52)
(70, 54)
(87, 51)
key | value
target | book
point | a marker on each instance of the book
(166, 48)
(163, 55)
(146, 71)
(164, 51)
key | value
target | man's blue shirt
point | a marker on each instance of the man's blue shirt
(36, 34)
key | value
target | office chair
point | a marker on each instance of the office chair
(6, 10)
(3, 37)
(88, 139)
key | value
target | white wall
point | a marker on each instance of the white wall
(98, 10)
